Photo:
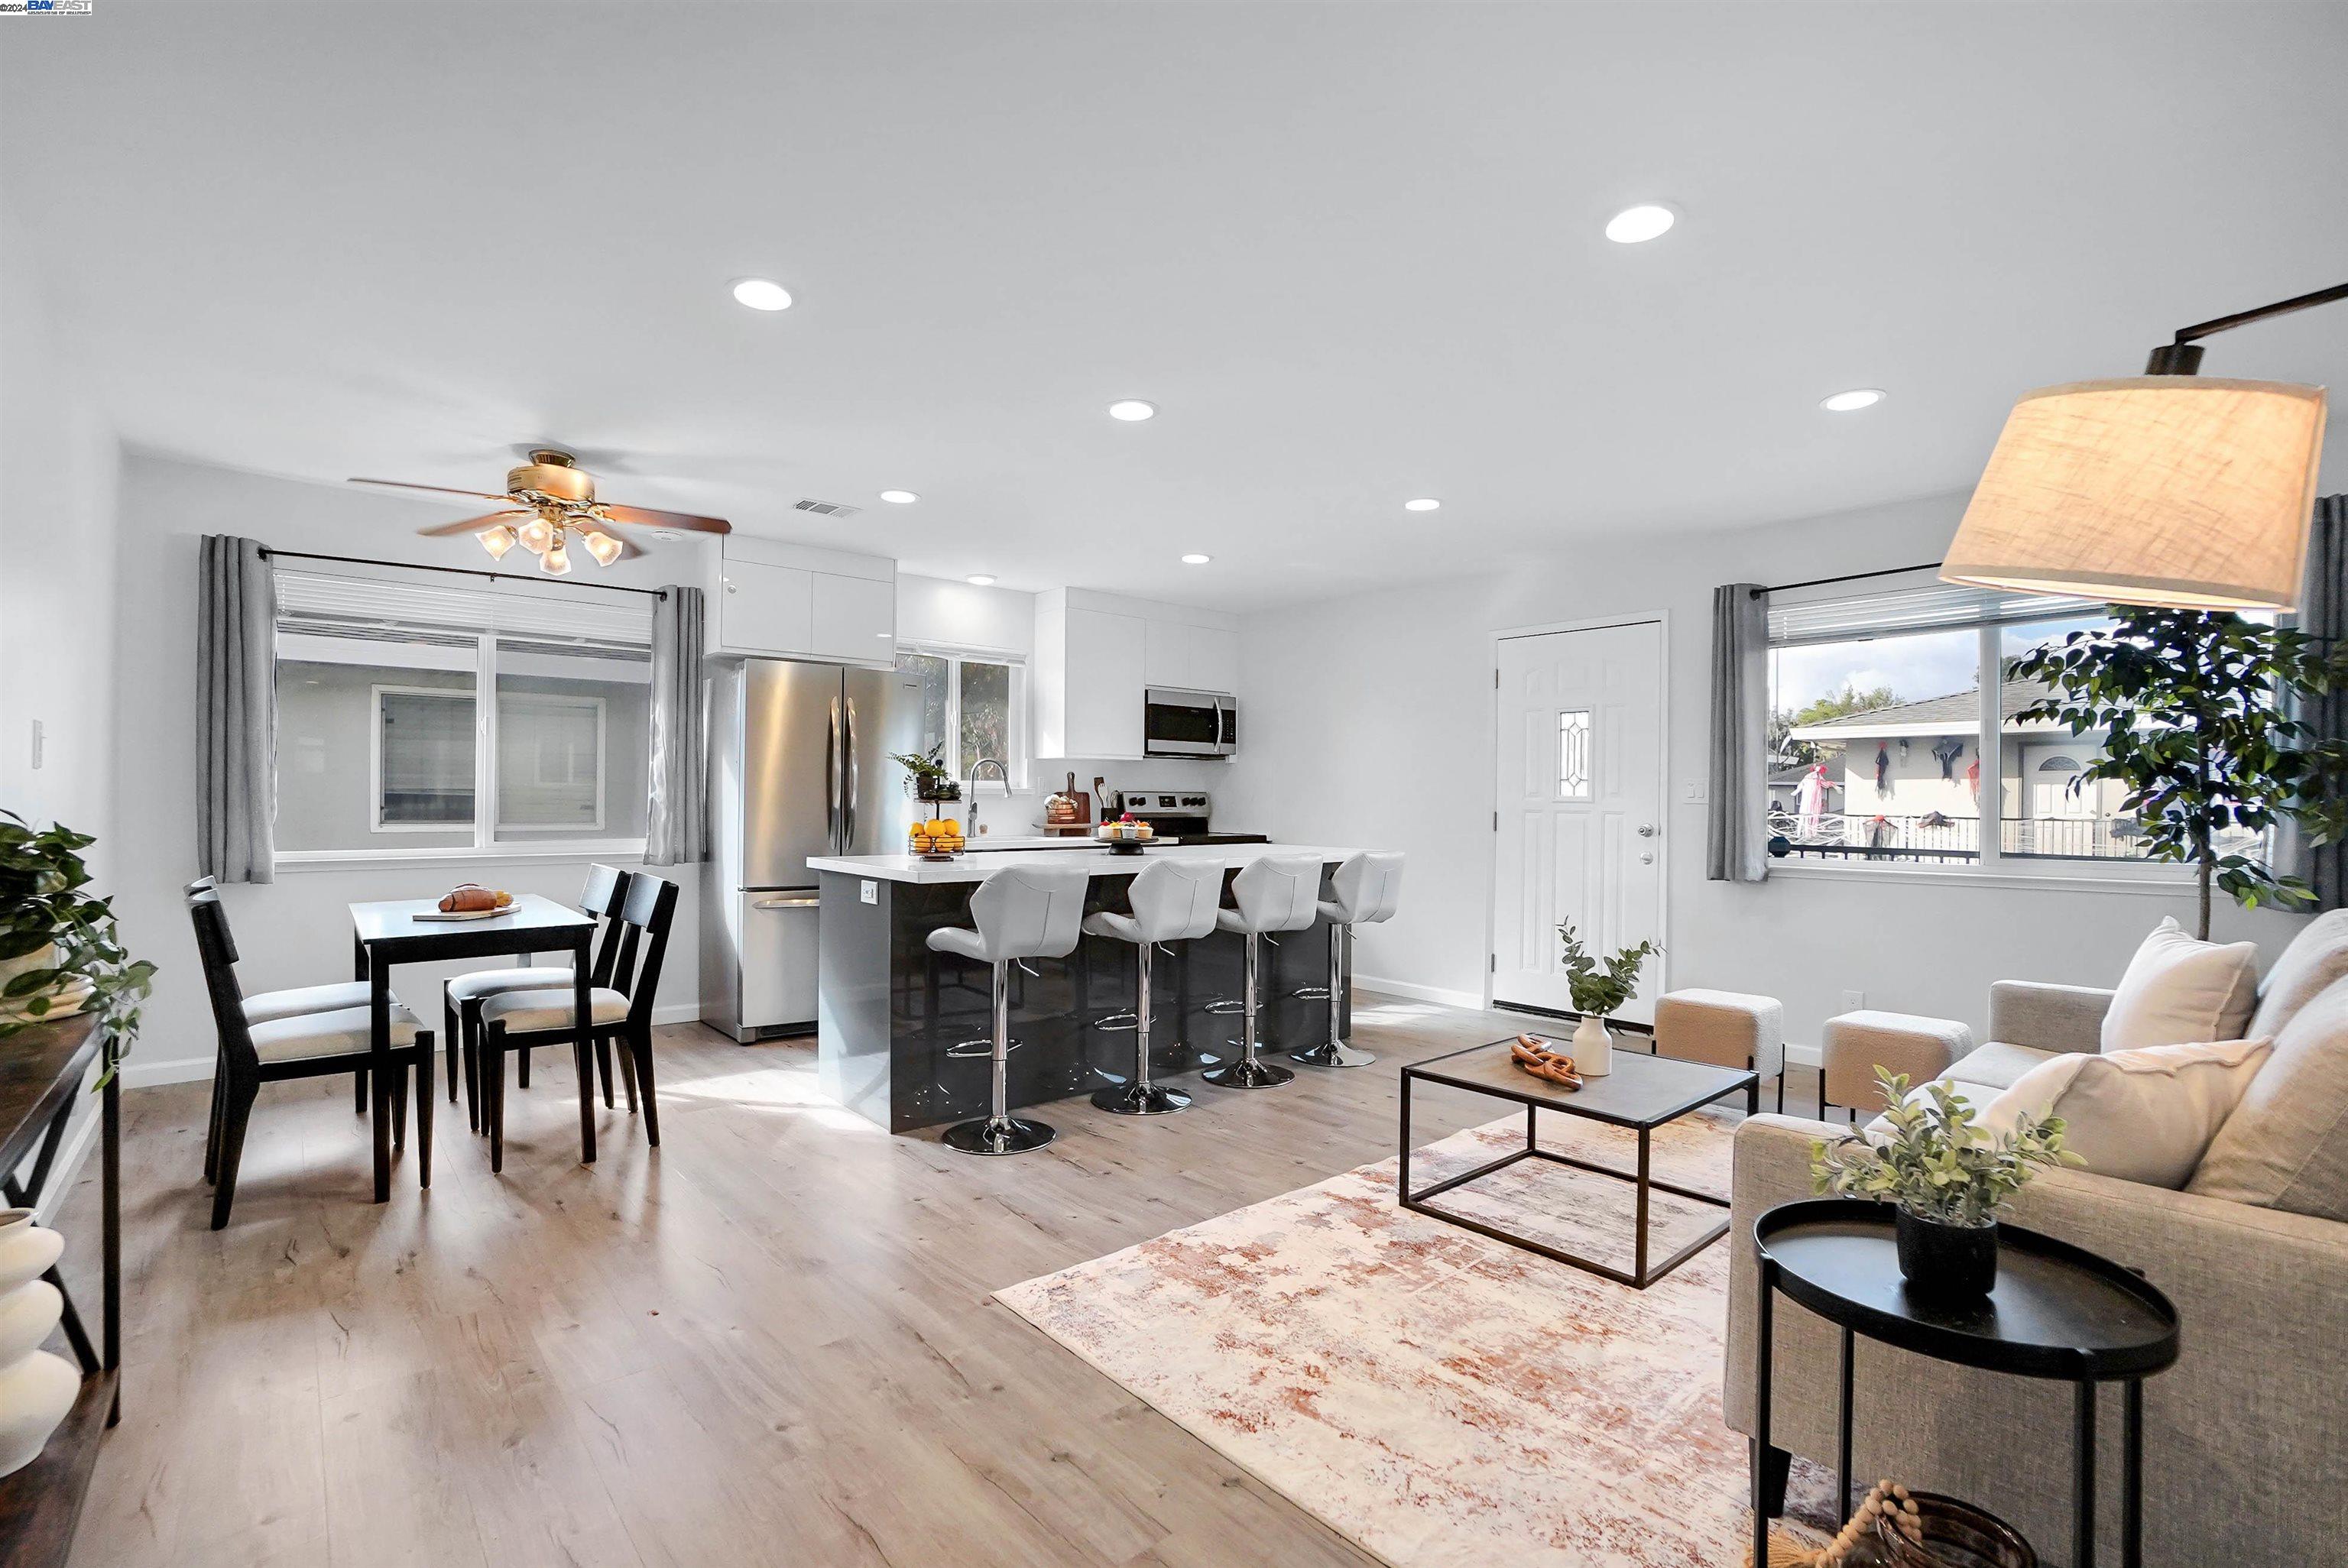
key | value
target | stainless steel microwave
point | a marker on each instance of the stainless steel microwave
(1178, 724)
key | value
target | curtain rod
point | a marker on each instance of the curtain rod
(1846, 577)
(453, 570)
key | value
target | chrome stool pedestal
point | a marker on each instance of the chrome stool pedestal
(1020, 912)
(1172, 901)
(1277, 893)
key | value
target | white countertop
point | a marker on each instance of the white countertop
(1096, 862)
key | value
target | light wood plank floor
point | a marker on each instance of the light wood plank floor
(767, 1342)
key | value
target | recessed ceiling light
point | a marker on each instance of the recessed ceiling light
(1636, 225)
(1131, 408)
(762, 294)
(1196, 560)
(1424, 504)
(902, 497)
(979, 580)
(1850, 402)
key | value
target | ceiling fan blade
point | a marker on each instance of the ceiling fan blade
(437, 489)
(645, 516)
(471, 524)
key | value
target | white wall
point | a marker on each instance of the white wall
(295, 930)
(1003, 621)
(1370, 724)
(59, 460)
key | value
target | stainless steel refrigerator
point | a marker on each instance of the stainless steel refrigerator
(799, 767)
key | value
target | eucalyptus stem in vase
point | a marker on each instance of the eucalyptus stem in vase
(1599, 988)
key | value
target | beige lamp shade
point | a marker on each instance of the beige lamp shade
(2180, 490)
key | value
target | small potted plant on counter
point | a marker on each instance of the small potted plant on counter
(1947, 1177)
(59, 951)
(1599, 990)
(931, 782)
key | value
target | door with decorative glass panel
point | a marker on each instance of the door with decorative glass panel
(1578, 831)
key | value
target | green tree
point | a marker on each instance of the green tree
(2192, 713)
(1834, 706)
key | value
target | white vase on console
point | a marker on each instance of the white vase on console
(36, 1388)
(1593, 1047)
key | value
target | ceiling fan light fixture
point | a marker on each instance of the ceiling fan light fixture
(497, 540)
(602, 546)
(537, 535)
(555, 562)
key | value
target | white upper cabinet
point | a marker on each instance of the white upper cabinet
(778, 600)
(1096, 653)
(1196, 657)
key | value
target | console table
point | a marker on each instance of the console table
(41, 1073)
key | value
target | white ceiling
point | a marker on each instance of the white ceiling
(1352, 253)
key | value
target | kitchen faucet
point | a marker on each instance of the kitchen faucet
(971, 816)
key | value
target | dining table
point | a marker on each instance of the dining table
(409, 931)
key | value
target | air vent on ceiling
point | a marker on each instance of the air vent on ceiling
(828, 508)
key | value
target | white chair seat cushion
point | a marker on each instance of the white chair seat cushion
(335, 1034)
(2143, 1115)
(957, 939)
(551, 1007)
(1108, 923)
(2181, 991)
(270, 1006)
(490, 982)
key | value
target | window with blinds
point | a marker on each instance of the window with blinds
(418, 715)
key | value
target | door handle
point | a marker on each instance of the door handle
(787, 904)
(1646, 830)
(831, 778)
(855, 784)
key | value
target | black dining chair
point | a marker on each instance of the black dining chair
(299, 1045)
(462, 998)
(620, 1013)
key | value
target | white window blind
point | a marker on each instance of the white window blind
(1941, 607)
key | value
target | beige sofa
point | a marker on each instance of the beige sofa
(2246, 1437)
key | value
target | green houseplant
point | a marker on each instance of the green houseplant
(2191, 708)
(931, 782)
(1947, 1176)
(58, 946)
(1599, 987)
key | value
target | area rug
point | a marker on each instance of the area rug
(1441, 1400)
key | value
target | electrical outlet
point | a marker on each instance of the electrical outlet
(1852, 1002)
(869, 891)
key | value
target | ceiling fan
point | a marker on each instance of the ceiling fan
(554, 498)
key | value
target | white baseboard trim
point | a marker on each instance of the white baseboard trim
(139, 1074)
(1420, 993)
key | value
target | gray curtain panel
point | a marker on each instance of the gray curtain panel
(1737, 823)
(2323, 613)
(676, 818)
(236, 708)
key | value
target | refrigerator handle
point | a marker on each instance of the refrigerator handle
(831, 778)
(848, 797)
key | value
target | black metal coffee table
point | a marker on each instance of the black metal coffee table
(1641, 1094)
(2058, 1311)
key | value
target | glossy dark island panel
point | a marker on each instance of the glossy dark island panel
(891, 1008)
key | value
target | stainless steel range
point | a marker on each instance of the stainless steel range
(1185, 815)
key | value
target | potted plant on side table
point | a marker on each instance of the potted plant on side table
(59, 951)
(1599, 989)
(1946, 1176)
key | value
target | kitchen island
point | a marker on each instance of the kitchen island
(889, 1009)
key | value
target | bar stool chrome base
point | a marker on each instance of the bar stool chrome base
(998, 1135)
(1249, 1072)
(1141, 1099)
(1331, 1053)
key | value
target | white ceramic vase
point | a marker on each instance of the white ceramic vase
(1593, 1047)
(36, 1388)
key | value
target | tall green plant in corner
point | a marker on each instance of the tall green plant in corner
(2192, 710)
(46, 916)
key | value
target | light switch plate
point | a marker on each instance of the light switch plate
(869, 891)
(1694, 795)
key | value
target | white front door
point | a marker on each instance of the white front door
(1578, 835)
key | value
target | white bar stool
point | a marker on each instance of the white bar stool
(1366, 887)
(1172, 901)
(1277, 893)
(1020, 912)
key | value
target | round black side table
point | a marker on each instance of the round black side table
(2058, 1312)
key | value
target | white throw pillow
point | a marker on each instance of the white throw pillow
(2178, 991)
(2137, 1115)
